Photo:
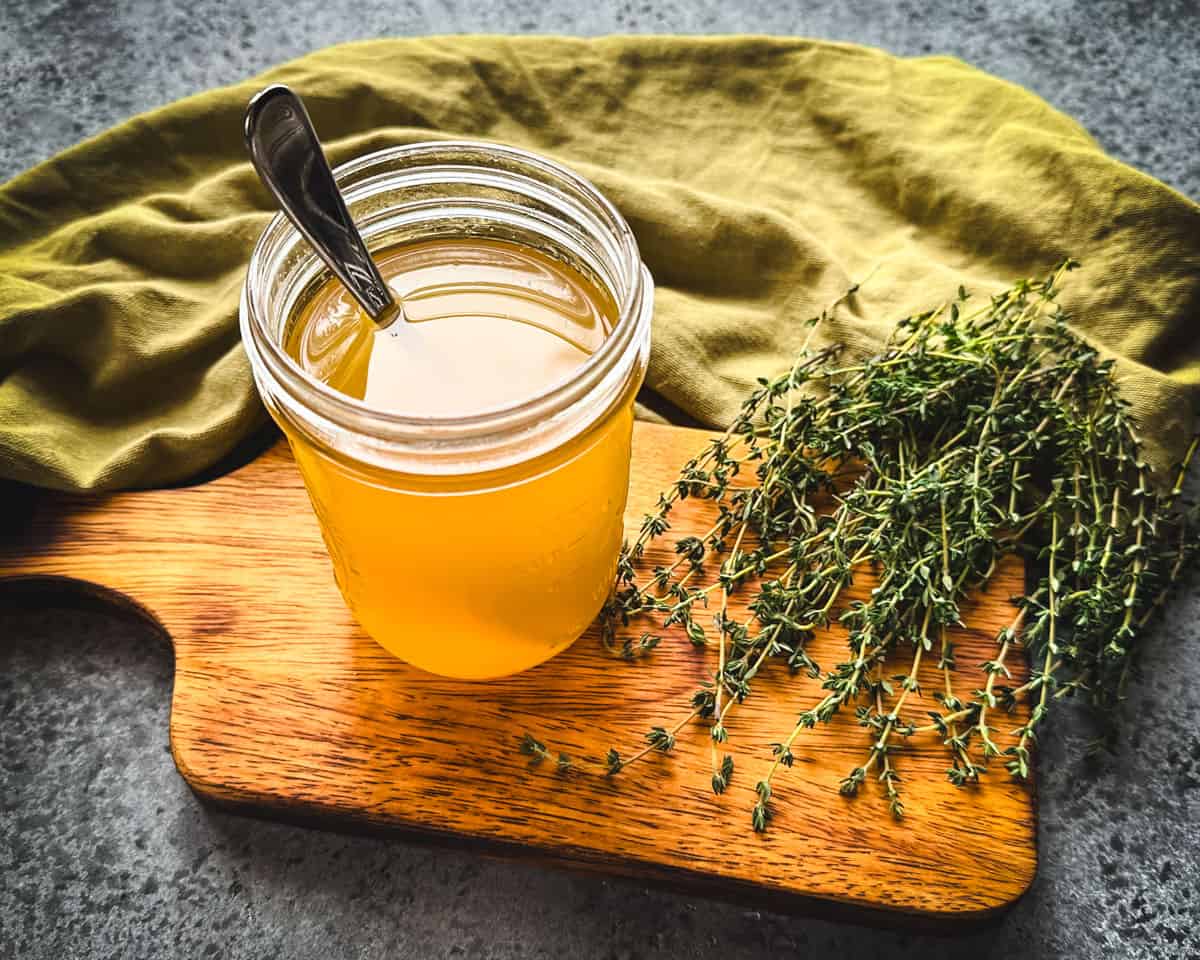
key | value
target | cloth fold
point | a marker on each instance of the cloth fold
(761, 176)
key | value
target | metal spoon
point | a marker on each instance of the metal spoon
(287, 155)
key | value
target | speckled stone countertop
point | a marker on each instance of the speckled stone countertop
(104, 852)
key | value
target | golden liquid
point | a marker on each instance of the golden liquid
(488, 574)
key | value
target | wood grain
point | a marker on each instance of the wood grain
(282, 704)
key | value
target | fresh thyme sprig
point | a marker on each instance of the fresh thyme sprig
(978, 432)
(538, 752)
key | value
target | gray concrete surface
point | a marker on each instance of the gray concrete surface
(105, 853)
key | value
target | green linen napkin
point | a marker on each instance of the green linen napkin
(761, 177)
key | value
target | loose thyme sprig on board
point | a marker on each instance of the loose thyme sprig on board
(979, 431)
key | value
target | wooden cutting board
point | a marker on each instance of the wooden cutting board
(282, 706)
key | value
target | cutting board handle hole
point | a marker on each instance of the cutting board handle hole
(67, 593)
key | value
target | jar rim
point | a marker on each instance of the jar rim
(344, 410)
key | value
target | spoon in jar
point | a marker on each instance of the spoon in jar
(287, 155)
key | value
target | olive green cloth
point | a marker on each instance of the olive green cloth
(761, 177)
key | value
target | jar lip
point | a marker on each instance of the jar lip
(337, 405)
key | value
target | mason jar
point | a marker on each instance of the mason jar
(480, 545)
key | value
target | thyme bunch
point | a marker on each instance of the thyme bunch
(981, 430)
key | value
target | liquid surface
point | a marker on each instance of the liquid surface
(469, 577)
(486, 324)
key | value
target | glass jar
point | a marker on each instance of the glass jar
(472, 546)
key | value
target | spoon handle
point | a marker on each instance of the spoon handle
(287, 155)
